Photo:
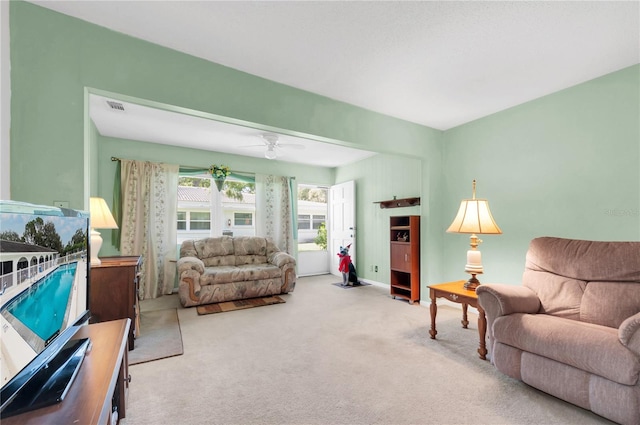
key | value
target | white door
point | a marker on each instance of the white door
(342, 222)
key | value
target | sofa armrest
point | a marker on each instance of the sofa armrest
(500, 299)
(281, 258)
(190, 263)
(629, 333)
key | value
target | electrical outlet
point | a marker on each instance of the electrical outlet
(61, 204)
(376, 269)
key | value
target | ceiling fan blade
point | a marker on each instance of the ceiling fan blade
(291, 146)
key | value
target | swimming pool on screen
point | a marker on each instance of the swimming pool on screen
(44, 307)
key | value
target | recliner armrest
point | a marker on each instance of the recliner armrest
(629, 333)
(499, 299)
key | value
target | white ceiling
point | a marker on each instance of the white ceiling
(436, 63)
(137, 122)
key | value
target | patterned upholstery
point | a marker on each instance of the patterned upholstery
(222, 269)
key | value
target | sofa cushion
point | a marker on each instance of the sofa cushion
(250, 250)
(559, 295)
(589, 347)
(227, 274)
(211, 247)
(188, 249)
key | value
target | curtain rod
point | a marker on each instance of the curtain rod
(114, 158)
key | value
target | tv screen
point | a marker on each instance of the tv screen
(44, 276)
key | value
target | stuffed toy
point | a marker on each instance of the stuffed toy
(346, 267)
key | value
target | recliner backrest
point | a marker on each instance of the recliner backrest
(591, 281)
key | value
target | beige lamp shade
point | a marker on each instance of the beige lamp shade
(99, 218)
(100, 215)
(474, 216)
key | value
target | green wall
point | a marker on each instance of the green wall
(379, 178)
(382, 177)
(54, 57)
(563, 165)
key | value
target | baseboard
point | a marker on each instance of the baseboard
(375, 283)
(426, 302)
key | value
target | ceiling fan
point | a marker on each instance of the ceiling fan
(273, 145)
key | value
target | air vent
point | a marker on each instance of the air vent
(115, 105)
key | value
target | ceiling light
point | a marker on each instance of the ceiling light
(270, 153)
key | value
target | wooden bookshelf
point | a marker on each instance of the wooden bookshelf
(404, 238)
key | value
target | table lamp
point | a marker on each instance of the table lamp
(100, 218)
(474, 217)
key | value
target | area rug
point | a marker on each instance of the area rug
(355, 285)
(160, 336)
(239, 305)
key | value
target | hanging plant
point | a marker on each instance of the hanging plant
(219, 174)
(219, 171)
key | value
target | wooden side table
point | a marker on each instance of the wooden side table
(454, 291)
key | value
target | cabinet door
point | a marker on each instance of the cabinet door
(109, 294)
(401, 256)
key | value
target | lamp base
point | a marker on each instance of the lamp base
(96, 244)
(472, 283)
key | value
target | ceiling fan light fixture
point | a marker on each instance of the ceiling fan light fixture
(270, 153)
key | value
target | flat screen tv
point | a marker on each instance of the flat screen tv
(44, 299)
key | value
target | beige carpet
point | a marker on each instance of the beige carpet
(330, 356)
(159, 338)
(238, 305)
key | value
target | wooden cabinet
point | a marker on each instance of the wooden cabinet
(113, 291)
(405, 257)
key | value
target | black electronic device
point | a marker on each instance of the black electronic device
(51, 382)
(42, 248)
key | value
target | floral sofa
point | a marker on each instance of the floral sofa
(214, 270)
(573, 328)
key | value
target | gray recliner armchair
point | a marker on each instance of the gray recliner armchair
(573, 328)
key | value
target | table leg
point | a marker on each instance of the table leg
(482, 330)
(433, 309)
(465, 321)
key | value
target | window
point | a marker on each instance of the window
(307, 221)
(199, 220)
(182, 220)
(242, 219)
(304, 221)
(194, 220)
(317, 221)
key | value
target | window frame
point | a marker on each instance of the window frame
(188, 220)
(304, 221)
(235, 219)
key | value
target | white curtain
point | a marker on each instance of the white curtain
(149, 222)
(274, 210)
(217, 214)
